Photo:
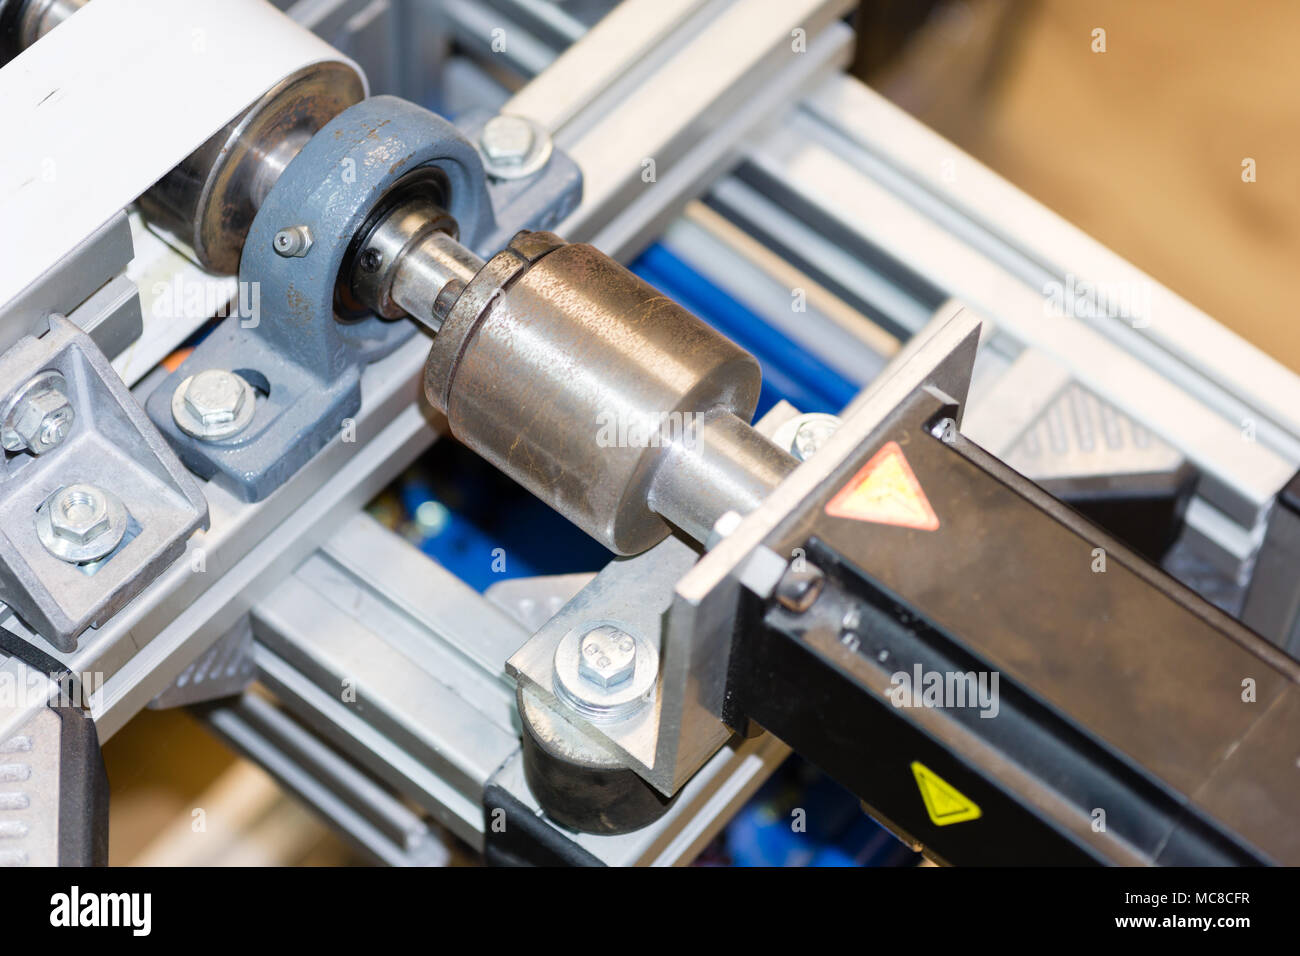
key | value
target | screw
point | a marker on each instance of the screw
(81, 523)
(293, 242)
(370, 260)
(945, 429)
(607, 655)
(514, 147)
(798, 590)
(812, 433)
(39, 416)
(213, 404)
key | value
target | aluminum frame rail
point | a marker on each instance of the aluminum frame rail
(392, 670)
(934, 221)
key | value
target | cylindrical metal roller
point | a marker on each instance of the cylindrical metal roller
(210, 199)
(579, 380)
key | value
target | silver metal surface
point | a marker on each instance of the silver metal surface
(62, 289)
(722, 465)
(698, 630)
(604, 672)
(209, 200)
(803, 435)
(38, 416)
(213, 404)
(111, 316)
(81, 523)
(29, 790)
(606, 656)
(636, 593)
(409, 259)
(368, 816)
(294, 241)
(722, 67)
(584, 398)
(114, 447)
(39, 17)
(858, 167)
(514, 147)
(246, 552)
(224, 670)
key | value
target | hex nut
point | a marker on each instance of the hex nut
(39, 416)
(81, 523)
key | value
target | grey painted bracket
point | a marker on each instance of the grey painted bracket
(111, 444)
(305, 363)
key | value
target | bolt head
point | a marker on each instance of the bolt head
(811, 435)
(507, 139)
(79, 514)
(215, 397)
(42, 420)
(799, 588)
(294, 242)
(607, 656)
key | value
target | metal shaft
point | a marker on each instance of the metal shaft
(595, 391)
(719, 464)
(408, 260)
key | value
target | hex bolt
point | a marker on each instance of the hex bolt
(804, 434)
(292, 243)
(81, 523)
(39, 415)
(812, 434)
(799, 588)
(607, 656)
(513, 147)
(213, 404)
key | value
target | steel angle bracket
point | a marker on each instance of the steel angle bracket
(111, 445)
(301, 349)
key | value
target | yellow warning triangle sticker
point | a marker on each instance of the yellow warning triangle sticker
(885, 491)
(943, 802)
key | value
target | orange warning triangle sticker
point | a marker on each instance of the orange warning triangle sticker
(943, 802)
(885, 491)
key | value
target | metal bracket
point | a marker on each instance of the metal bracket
(304, 360)
(110, 445)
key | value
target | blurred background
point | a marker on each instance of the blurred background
(1140, 146)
